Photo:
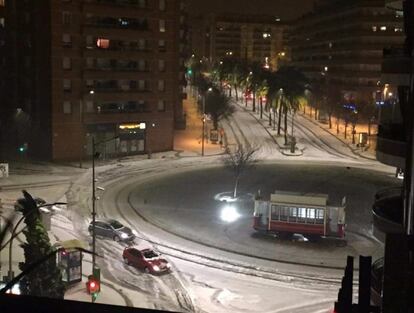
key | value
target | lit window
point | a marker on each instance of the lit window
(66, 63)
(162, 5)
(161, 85)
(67, 107)
(2, 4)
(374, 28)
(2, 21)
(162, 26)
(161, 106)
(398, 29)
(102, 43)
(266, 35)
(383, 28)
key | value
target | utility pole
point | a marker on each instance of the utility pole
(93, 206)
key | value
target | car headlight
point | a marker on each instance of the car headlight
(135, 232)
(124, 236)
(156, 268)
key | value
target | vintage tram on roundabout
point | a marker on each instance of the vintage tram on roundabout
(311, 215)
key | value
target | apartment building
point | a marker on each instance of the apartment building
(342, 42)
(108, 69)
(250, 37)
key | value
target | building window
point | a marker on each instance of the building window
(66, 18)
(89, 106)
(2, 21)
(161, 65)
(67, 107)
(141, 85)
(89, 42)
(2, 4)
(161, 106)
(67, 63)
(66, 40)
(67, 85)
(89, 83)
(162, 26)
(161, 45)
(89, 62)
(102, 43)
(162, 5)
(142, 44)
(383, 28)
(142, 65)
(161, 85)
(142, 4)
(374, 28)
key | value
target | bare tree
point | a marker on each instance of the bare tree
(239, 161)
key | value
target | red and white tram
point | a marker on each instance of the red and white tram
(309, 214)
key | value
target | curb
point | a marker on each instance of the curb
(353, 150)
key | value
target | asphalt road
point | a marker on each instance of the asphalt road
(184, 204)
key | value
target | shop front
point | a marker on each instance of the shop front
(113, 140)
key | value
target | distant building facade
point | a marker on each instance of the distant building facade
(249, 37)
(111, 69)
(342, 43)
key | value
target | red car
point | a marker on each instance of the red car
(145, 258)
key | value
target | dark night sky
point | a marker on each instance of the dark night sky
(285, 9)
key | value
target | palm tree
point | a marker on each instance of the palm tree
(256, 77)
(273, 83)
(293, 84)
(237, 76)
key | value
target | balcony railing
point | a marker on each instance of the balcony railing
(137, 3)
(388, 211)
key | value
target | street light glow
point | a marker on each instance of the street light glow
(229, 214)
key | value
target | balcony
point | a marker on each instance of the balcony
(388, 211)
(118, 23)
(391, 145)
(135, 3)
(395, 67)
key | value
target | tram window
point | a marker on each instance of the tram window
(284, 213)
(275, 213)
(319, 216)
(301, 215)
(293, 214)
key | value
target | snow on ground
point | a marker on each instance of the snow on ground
(215, 290)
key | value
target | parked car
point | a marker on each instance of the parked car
(145, 258)
(113, 229)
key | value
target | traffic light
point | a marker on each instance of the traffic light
(93, 286)
(23, 148)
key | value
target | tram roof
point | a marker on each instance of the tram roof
(300, 198)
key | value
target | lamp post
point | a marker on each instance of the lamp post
(204, 121)
(10, 274)
(94, 144)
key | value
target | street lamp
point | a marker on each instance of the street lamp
(13, 234)
(204, 121)
(94, 144)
